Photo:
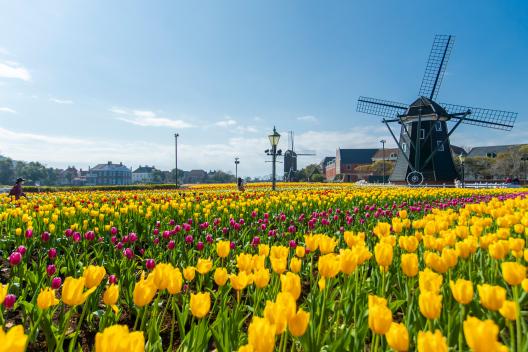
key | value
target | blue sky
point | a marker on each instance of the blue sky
(84, 82)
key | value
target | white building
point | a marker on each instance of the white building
(143, 174)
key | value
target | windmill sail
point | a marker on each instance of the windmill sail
(497, 119)
(436, 65)
(379, 107)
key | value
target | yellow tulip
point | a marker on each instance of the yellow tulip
(298, 323)
(273, 314)
(328, 265)
(509, 310)
(491, 297)
(524, 285)
(264, 249)
(189, 273)
(311, 242)
(430, 304)
(144, 292)
(513, 273)
(117, 338)
(291, 283)
(14, 340)
(300, 251)
(240, 281)
(93, 275)
(261, 335)
(204, 266)
(111, 296)
(383, 253)
(244, 262)
(348, 260)
(322, 284)
(47, 299)
(200, 304)
(3, 292)
(398, 337)
(72, 291)
(379, 315)
(278, 264)
(246, 348)
(429, 342)
(175, 281)
(409, 264)
(295, 265)
(223, 248)
(429, 280)
(481, 336)
(261, 278)
(327, 244)
(462, 291)
(160, 275)
(220, 276)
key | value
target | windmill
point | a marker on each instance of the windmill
(290, 158)
(424, 149)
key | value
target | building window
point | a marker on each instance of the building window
(404, 147)
(438, 126)
(422, 133)
(393, 155)
(440, 146)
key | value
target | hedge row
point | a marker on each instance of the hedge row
(32, 189)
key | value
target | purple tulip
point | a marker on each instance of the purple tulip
(21, 249)
(172, 222)
(51, 269)
(156, 240)
(52, 253)
(133, 237)
(171, 245)
(209, 238)
(189, 239)
(76, 237)
(29, 233)
(155, 232)
(200, 245)
(293, 244)
(15, 258)
(232, 245)
(56, 282)
(112, 279)
(128, 253)
(113, 231)
(68, 232)
(45, 236)
(9, 301)
(150, 264)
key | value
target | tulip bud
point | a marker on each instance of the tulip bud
(15, 258)
(209, 238)
(112, 279)
(51, 269)
(9, 301)
(113, 231)
(29, 233)
(200, 245)
(76, 237)
(56, 282)
(150, 264)
(21, 250)
(171, 245)
(45, 236)
(52, 253)
(189, 239)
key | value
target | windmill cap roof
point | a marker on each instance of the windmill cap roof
(425, 106)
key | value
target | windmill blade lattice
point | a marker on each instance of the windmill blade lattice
(379, 107)
(436, 65)
(497, 119)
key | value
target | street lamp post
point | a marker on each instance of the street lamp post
(383, 156)
(237, 161)
(176, 135)
(462, 158)
(274, 141)
(523, 159)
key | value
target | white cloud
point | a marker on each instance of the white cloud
(61, 101)
(308, 118)
(227, 122)
(5, 109)
(4, 51)
(147, 118)
(10, 69)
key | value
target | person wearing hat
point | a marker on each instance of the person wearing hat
(17, 189)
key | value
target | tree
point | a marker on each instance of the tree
(7, 171)
(376, 168)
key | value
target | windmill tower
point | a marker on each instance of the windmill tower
(290, 158)
(425, 125)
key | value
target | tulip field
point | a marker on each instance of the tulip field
(309, 267)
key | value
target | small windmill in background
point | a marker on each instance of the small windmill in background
(290, 158)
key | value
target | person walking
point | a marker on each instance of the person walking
(16, 191)
(240, 184)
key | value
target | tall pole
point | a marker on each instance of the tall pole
(383, 156)
(176, 135)
(463, 176)
(274, 159)
(236, 168)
